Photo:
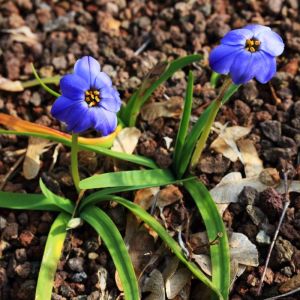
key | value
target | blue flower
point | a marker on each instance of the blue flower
(88, 99)
(247, 53)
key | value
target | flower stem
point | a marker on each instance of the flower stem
(217, 103)
(74, 161)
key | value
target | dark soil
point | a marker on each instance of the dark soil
(113, 32)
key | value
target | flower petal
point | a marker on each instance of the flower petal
(222, 57)
(103, 120)
(73, 87)
(237, 37)
(243, 67)
(78, 119)
(87, 68)
(257, 29)
(60, 107)
(102, 80)
(267, 66)
(110, 99)
(271, 42)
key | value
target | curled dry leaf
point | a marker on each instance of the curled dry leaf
(171, 108)
(10, 86)
(242, 252)
(23, 35)
(253, 164)
(36, 147)
(177, 282)
(155, 285)
(225, 143)
(232, 184)
(169, 195)
(126, 141)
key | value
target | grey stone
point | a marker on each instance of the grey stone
(76, 264)
(272, 130)
(256, 214)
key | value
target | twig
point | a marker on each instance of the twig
(285, 207)
(11, 171)
(143, 47)
(286, 294)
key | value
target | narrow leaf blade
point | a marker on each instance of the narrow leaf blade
(219, 251)
(27, 201)
(52, 254)
(184, 123)
(63, 203)
(158, 228)
(94, 197)
(116, 247)
(131, 111)
(136, 159)
(128, 178)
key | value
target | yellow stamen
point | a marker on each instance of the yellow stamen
(92, 97)
(252, 45)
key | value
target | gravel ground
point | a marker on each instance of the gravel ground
(128, 39)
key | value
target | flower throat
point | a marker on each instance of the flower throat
(92, 97)
(252, 45)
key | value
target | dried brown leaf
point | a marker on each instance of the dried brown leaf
(225, 143)
(31, 165)
(155, 285)
(252, 163)
(169, 195)
(171, 108)
(10, 86)
(232, 184)
(126, 141)
(23, 35)
(177, 282)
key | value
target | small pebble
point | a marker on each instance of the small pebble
(76, 264)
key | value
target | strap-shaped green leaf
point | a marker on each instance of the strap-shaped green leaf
(185, 120)
(136, 159)
(94, 197)
(131, 111)
(219, 251)
(112, 238)
(193, 136)
(27, 201)
(63, 203)
(52, 254)
(159, 229)
(128, 178)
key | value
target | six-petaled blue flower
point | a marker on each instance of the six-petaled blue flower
(247, 53)
(88, 99)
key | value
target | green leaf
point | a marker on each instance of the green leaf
(63, 203)
(46, 80)
(52, 254)
(27, 201)
(184, 123)
(131, 111)
(160, 230)
(136, 159)
(219, 252)
(191, 141)
(214, 78)
(42, 83)
(128, 178)
(96, 196)
(194, 135)
(230, 91)
(112, 238)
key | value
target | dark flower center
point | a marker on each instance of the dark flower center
(252, 45)
(92, 97)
